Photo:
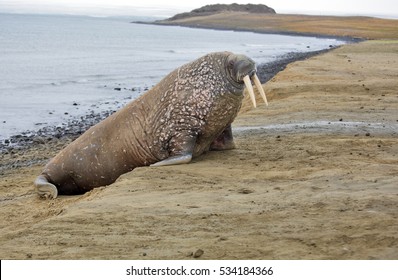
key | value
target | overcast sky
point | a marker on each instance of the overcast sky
(170, 7)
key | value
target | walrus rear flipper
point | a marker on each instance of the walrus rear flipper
(44, 188)
(225, 141)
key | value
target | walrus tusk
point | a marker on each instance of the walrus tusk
(260, 88)
(248, 84)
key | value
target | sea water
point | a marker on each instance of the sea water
(55, 68)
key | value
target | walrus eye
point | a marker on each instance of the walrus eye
(231, 64)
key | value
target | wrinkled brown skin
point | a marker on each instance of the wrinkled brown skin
(185, 113)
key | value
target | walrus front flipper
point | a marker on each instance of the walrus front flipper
(174, 160)
(44, 188)
(181, 150)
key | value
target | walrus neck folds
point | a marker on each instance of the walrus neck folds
(234, 86)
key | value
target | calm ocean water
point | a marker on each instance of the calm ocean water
(54, 68)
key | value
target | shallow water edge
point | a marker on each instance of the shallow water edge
(75, 127)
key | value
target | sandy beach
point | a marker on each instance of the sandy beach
(314, 176)
(290, 24)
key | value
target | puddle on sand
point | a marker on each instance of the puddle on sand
(325, 126)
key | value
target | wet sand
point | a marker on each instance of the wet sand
(314, 176)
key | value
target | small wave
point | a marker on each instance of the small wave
(254, 45)
(81, 80)
(98, 16)
(63, 83)
(186, 51)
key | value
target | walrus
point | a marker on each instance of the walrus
(187, 113)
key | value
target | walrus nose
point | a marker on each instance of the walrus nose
(248, 83)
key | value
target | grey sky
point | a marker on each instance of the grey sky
(167, 8)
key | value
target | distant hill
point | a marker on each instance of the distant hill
(263, 19)
(219, 8)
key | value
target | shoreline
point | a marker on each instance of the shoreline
(347, 39)
(77, 126)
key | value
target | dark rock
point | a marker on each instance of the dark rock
(198, 253)
(245, 191)
(267, 71)
(39, 140)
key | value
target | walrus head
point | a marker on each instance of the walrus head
(242, 70)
